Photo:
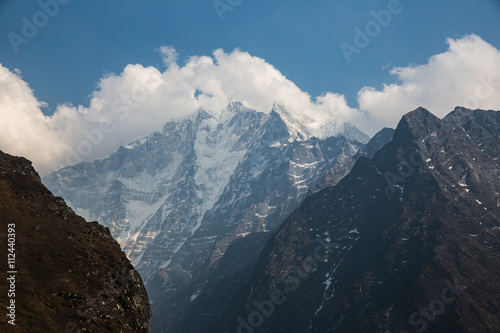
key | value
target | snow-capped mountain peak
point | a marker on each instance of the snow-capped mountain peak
(298, 129)
(176, 200)
(304, 127)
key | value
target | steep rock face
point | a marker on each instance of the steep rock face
(407, 242)
(71, 275)
(178, 199)
(333, 176)
(213, 292)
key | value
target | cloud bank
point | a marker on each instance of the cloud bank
(140, 99)
(468, 75)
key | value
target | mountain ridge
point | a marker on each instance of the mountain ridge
(177, 199)
(69, 275)
(412, 238)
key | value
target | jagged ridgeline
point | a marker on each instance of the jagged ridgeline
(408, 241)
(68, 275)
(243, 222)
(193, 204)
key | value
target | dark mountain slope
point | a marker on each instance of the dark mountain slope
(333, 176)
(207, 304)
(412, 239)
(71, 275)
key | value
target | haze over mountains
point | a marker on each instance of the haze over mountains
(237, 166)
(177, 199)
(247, 222)
(195, 204)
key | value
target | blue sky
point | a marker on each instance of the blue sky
(78, 79)
(87, 39)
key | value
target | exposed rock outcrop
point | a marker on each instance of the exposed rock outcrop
(70, 275)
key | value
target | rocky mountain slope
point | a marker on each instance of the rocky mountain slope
(408, 241)
(333, 176)
(67, 275)
(180, 198)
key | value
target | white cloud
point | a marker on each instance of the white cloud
(141, 99)
(23, 127)
(468, 75)
(169, 55)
